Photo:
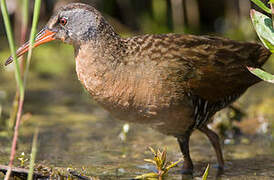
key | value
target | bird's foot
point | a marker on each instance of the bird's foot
(187, 171)
(220, 169)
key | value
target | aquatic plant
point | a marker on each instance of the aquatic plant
(161, 164)
(264, 28)
(23, 159)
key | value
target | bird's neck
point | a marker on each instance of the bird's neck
(97, 62)
(105, 49)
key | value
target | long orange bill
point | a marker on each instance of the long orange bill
(42, 37)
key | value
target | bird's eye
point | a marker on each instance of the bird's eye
(63, 21)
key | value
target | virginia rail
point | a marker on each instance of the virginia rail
(172, 82)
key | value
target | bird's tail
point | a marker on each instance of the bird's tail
(260, 55)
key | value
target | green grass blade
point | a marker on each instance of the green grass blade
(0, 111)
(33, 154)
(35, 19)
(25, 10)
(206, 173)
(18, 80)
(262, 5)
(12, 47)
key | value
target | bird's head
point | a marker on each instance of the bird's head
(75, 24)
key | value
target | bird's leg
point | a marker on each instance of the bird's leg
(184, 146)
(214, 139)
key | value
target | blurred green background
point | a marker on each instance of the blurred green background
(74, 131)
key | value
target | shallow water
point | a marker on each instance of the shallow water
(75, 132)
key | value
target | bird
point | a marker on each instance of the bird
(173, 83)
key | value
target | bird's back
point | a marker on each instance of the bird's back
(207, 72)
(208, 66)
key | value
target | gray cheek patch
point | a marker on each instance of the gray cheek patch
(81, 23)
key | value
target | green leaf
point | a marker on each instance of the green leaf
(150, 161)
(271, 1)
(264, 29)
(206, 173)
(174, 164)
(262, 6)
(153, 151)
(268, 45)
(262, 74)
